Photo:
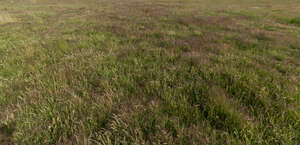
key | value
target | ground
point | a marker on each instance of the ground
(150, 72)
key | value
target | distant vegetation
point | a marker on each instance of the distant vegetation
(150, 72)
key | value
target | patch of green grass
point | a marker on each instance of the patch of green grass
(148, 72)
(295, 21)
(292, 21)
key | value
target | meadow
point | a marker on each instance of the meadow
(182, 72)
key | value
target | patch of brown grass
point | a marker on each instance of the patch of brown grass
(218, 21)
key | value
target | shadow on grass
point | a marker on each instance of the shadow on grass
(6, 132)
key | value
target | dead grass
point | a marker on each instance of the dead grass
(6, 18)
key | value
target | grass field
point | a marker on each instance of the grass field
(118, 72)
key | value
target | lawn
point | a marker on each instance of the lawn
(116, 72)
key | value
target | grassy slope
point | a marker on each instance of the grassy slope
(149, 72)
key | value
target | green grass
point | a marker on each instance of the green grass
(149, 72)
